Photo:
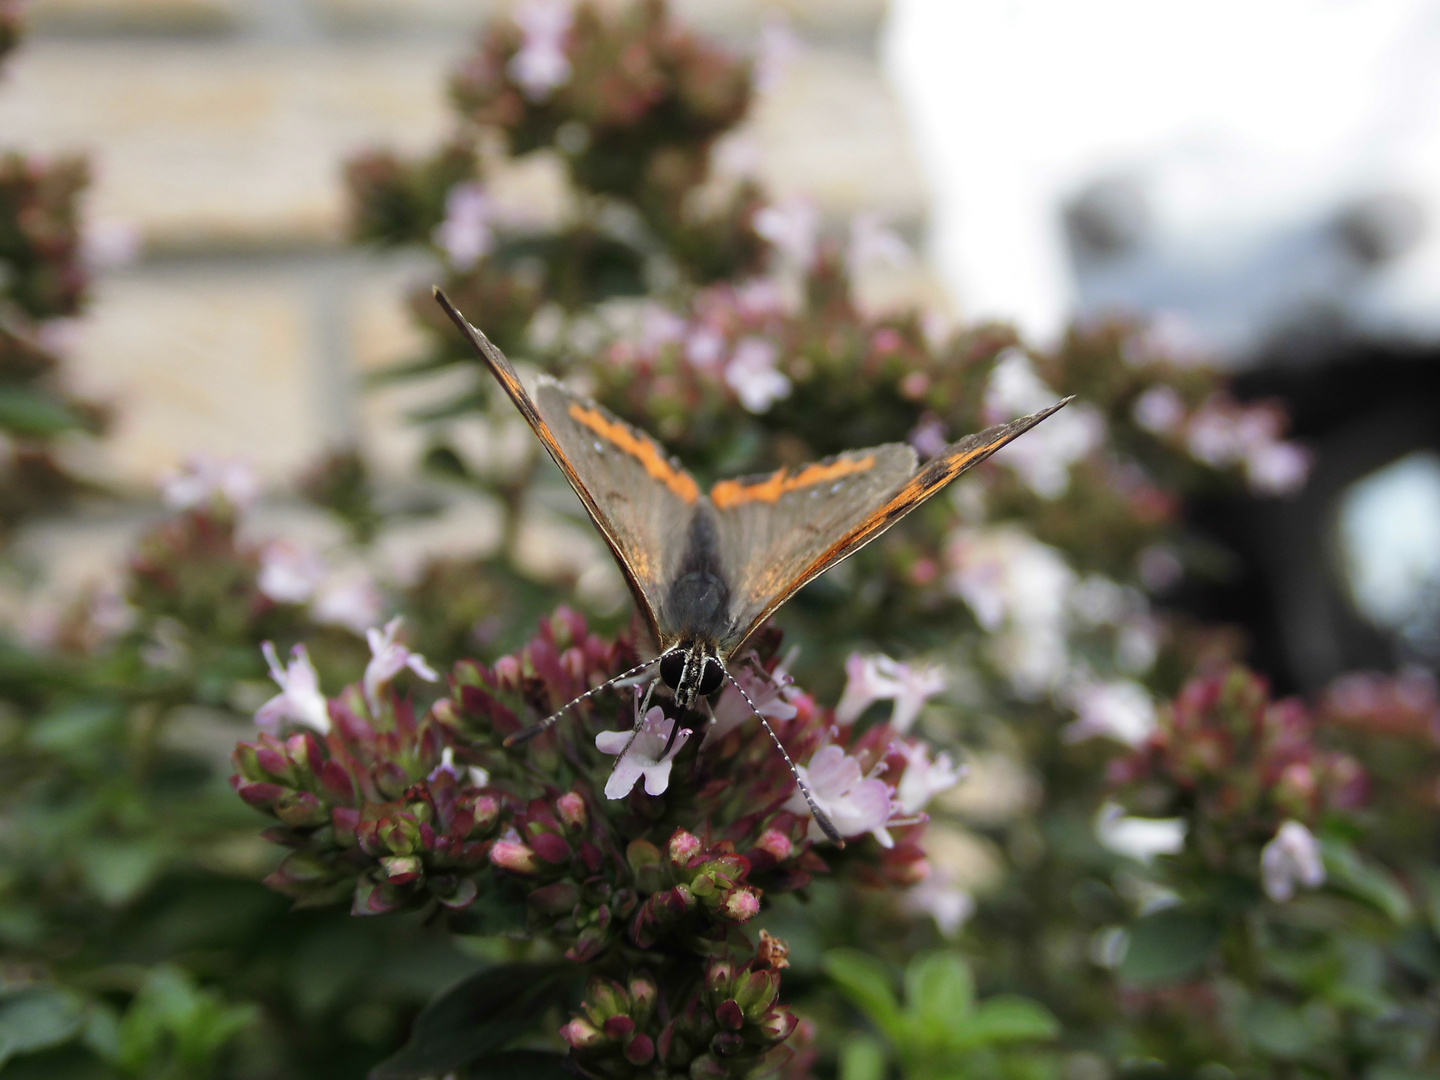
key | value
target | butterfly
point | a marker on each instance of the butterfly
(708, 569)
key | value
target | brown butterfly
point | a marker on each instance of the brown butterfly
(707, 570)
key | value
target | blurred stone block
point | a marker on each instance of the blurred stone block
(831, 130)
(224, 145)
(402, 15)
(215, 363)
(132, 16)
(854, 21)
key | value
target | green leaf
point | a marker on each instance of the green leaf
(521, 1065)
(862, 1057)
(1348, 872)
(1168, 945)
(867, 983)
(476, 1018)
(1004, 1018)
(38, 1018)
(939, 993)
(117, 871)
(1277, 1029)
(26, 412)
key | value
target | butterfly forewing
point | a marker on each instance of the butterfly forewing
(799, 554)
(773, 527)
(640, 501)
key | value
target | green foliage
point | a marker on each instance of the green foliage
(940, 1030)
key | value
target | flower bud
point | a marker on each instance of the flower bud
(508, 675)
(400, 833)
(300, 810)
(741, 905)
(581, 1034)
(570, 809)
(727, 1044)
(755, 992)
(402, 869)
(550, 846)
(617, 1027)
(775, 843)
(729, 1015)
(644, 860)
(605, 999)
(683, 847)
(517, 858)
(640, 1050)
(642, 997)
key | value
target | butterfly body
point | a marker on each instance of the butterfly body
(708, 569)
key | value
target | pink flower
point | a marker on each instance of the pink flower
(387, 659)
(871, 242)
(792, 227)
(854, 803)
(300, 700)
(289, 573)
(644, 755)
(771, 697)
(351, 601)
(1291, 858)
(751, 374)
(466, 234)
(1278, 468)
(1158, 410)
(541, 64)
(205, 479)
(880, 678)
(1044, 461)
(923, 777)
(705, 348)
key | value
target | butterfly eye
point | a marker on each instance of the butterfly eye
(711, 676)
(672, 667)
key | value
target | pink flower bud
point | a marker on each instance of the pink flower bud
(740, 906)
(617, 1027)
(507, 673)
(517, 858)
(683, 847)
(729, 1015)
(581, 1034)
(570, 808)
(551, 847)
(776, 843)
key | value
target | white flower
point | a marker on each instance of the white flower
(1138, 838)
(644, 755)
(771, 696)
(466, 234)
(659, 326)
(541, 64)
(923, 777)
(751, 374)
(204, 479)
(949, 905)
(1158, 410)
(289, 572)
(854, 803)
(872, 242)
(1291, 858)
(350, 600)
(881, 678)
(705, 348)
(1121, 710)
(387, 659)
(478, 776)
(793, 228)
(300, 700)
(1043, 458)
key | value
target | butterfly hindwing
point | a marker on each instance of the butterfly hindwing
(640, 501)
(785, 543)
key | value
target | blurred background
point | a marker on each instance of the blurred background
(1261, 185)
(1218, 224)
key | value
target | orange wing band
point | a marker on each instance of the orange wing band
(641, 449)
(730, 493)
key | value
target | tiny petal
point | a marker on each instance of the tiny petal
(645, 756)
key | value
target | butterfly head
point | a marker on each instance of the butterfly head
(692, 671)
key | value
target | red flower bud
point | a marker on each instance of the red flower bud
(517, 858)
(640, 1050)
(683, 847)
(570, 809)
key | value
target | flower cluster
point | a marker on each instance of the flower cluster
(396, 806)
(730, 1025)
(1241, 771)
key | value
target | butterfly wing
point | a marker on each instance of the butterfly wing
(640, 500)
(780, 532)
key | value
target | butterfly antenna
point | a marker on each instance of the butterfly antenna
(821, 818)
(529, 733)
